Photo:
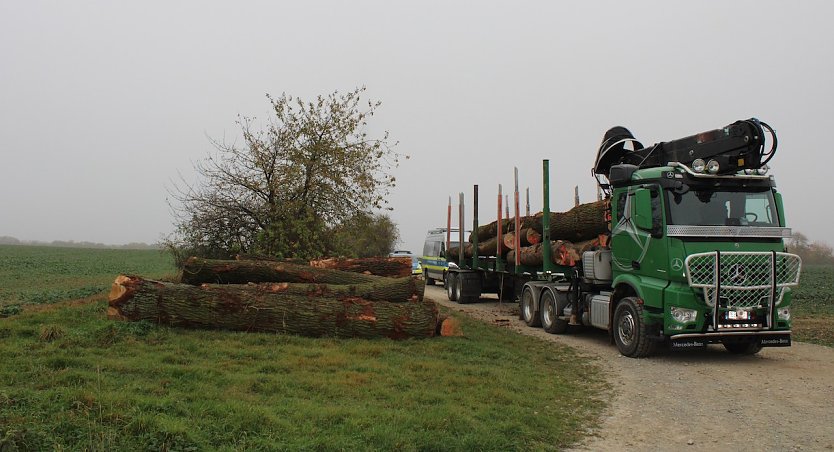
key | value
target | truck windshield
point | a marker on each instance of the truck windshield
(723, 208)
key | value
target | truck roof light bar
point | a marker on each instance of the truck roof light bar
(693, 173)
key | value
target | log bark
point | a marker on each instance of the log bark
(379, 266)
(561, 252)
(395, 290)
(491, 247)
(200, 271)
(490, 230)
(262, 257)
(528, 236)
(452, 254)
(583, 222)
(258, 308)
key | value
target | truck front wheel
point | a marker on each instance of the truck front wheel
(630, 329)
(528, 308)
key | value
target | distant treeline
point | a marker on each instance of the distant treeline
(6, 240)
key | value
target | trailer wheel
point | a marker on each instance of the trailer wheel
(630, 330)
(459, 290)
(550, 315)
(743, 348)
(451, 286)
(528, 308)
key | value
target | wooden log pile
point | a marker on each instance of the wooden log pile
(283, 297)
(580, 229)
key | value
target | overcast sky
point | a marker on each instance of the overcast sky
(102, 104)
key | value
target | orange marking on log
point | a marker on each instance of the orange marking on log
(279, 287)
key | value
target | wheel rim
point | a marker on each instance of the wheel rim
(528, 307)
(626, 328)
(548, 316)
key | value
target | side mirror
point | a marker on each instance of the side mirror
(641, 212)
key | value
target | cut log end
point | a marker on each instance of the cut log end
(119, 289)
(450, 327)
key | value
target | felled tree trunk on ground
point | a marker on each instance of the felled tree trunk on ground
(211, 271)
(561, 253)
(528, 237)
(261, 257)
(583, 222)
(268, 308)
(379, 266)
(395, 290)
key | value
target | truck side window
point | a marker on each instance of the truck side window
(657, 213)
(620, 207)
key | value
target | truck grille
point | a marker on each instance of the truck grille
(743, 280)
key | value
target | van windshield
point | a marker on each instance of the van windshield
(723, 208)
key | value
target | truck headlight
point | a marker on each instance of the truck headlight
(784, 313)
(683, 315)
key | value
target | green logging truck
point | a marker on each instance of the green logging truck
(694, 251)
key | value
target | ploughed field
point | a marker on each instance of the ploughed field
(72, 379)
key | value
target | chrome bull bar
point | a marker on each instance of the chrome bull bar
(743, 281)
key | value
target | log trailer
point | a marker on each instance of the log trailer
(695, 250)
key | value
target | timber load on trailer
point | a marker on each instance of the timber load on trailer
(684, 248)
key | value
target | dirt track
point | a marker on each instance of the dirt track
(698, 400)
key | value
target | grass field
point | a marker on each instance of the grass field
(31, 275)
(813, 306)
(70, 379)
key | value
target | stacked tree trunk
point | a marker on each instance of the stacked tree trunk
(573, 232)
(280, 297)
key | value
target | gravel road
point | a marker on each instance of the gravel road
(781, 399)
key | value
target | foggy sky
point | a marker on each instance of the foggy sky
(103, 104)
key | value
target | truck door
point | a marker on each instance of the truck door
(638, 241)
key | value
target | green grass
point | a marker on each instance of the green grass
(70, 379)
(31, 275)
(73, 379)
(813, 305)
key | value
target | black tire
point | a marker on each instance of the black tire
(528, 308)
(743, 348)
(630, 330)
(451, 280)
(550, 314)
(429, 280)
(459, 290)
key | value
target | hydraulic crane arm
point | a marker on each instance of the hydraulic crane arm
(738, 146)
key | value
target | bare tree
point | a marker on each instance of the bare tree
(310, 169)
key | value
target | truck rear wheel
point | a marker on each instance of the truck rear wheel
(550, 315)
(743, 348)
(528, 308)
(630, 330)
(451, 286)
